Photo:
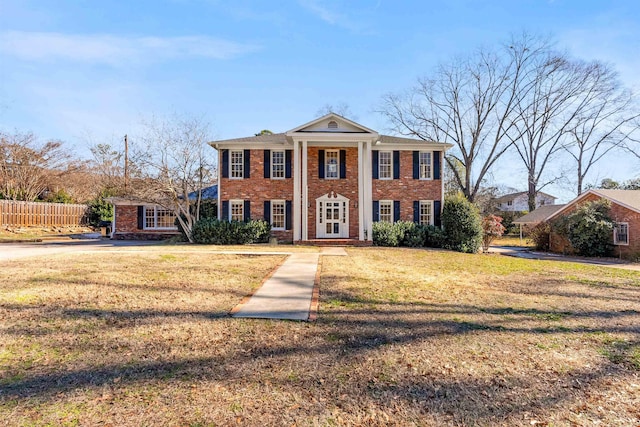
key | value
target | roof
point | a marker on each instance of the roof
(512, 196)
(276, 138)
(539, 215)
(208, 193)
(629, 199)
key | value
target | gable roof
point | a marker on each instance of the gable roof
(348, 126)
(276, 138)
(539, 215)
(512, 196)
(630, 199)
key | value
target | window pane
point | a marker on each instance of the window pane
(425, 213)
(384, 165)
(237, 211)
(165, 218)
(277, 214)
(331, 166)
(386, 212)
(277, 164)
(425, 165)
(149, 217)
(237, 164)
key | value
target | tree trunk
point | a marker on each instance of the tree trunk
(531, 193)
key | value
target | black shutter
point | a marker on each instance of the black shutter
(396, 165)
(343, 164)
(416, 165)
(225, 211)
(287, 215)
(247, 164)
(436, 165)
(321, 164)
(416, 211)
(225, 163)
(376, 211)
(376, 166)
(267, 211)
(247, 210)
(287, 163)
(267, 163)
(140, 217)
(436, 213)
(396, 210)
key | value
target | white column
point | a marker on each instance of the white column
(296, 191)
(368, 191)
(361, 169)
(305, 194)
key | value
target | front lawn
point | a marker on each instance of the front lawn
(403, 337)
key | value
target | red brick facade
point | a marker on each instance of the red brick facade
(127, 226)
(619, 214)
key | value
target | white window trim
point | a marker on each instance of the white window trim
(420, 202)
(430, 177)
(284, 214)
(615, 234)
(231, 164)
(390, 177)
(155, 218)
(284, 164)
(391, 210)
(231, 203)
(326, 164)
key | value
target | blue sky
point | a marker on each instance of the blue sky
(91, 71)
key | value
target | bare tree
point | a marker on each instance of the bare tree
(468, 102)
(341, 109)
(109, 165)
(27, 168)
(171, 160)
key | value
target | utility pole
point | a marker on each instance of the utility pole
(126, 162)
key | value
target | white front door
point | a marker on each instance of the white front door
(332, 217)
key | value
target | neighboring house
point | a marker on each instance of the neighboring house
(519, 202)
(535, 217)
(625, 211)
(135, 220)
(330, 178)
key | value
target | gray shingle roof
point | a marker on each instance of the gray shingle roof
(267, 139)
(389, 139)
(538, 215)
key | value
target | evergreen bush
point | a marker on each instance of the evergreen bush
(462, 225)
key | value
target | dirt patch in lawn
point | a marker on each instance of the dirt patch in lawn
(403, 337)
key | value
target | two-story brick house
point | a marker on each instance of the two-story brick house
(330, 178)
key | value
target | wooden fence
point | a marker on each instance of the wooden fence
(24, 214)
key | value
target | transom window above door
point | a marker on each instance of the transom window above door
(331, 164)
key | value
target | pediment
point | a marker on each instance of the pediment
(331, 123)
(332, 197)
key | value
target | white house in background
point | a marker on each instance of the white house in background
(519, 202)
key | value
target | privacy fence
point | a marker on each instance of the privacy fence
(26, 214)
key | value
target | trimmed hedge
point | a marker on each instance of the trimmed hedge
(210, 231)
(406, 233)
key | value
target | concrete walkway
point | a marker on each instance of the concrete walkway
(291, 292)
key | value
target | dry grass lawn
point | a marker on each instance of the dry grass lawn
(403, 337)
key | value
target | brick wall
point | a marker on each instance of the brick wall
(406, 189)
(127, 226)
(619, 214)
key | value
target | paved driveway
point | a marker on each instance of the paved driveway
(22, 250)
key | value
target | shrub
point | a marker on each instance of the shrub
(208, 210)
(213, 232)
(415, 235)
(590, 228)
(491, 228)
(539, 235)
(99, 209)
(387, 234)
(434, 237)
(462, 226)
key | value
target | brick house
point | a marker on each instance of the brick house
(329, 179)
(625, 211)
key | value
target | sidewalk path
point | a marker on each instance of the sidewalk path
(290, 292)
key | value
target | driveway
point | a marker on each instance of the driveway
(22, 250)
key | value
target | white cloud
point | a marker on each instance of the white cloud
(332, 17)
(115, 50)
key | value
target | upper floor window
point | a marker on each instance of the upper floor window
(425, 165)
(509, 202)
(426, 212)
(237, 210)
(331, 164)
(386, 211)
(277, 215)
(277, 164)
(332, 125)
(159, 218)
(621, 233)
(385, 165)
(237, 164)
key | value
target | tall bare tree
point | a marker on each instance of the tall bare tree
(27, 168)
(108, 163)
(468, 102)
(171, 160)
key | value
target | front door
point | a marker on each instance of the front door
(332, 217)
